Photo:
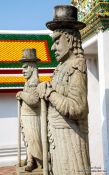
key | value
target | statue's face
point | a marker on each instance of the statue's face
(27, 70)
(60, 47)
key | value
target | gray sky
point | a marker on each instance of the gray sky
(27, 14)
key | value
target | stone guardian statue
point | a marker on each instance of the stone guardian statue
(30, 110)
(66, 97)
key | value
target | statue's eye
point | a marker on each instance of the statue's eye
(57, 42)
(25, 68)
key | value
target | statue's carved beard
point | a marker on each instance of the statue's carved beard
(63, 57)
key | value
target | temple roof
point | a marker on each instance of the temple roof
(11, 46)
(95, 13)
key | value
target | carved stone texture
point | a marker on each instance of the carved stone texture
(68, 106)
(30, 111)
(21, 171)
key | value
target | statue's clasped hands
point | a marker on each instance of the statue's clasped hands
(45, 90)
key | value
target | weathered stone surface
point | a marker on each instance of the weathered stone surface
(21, 171)
(66, 97)
(30, 111)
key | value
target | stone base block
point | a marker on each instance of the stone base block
(21, 171)
(99, 173)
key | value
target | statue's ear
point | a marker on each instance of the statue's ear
(70, 41)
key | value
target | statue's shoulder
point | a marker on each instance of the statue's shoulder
(77, 64)
(30, 87)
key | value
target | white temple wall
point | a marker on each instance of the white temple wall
(8, 119)
(95, 127)
(97, 53)
(8, 129)
(103, 64)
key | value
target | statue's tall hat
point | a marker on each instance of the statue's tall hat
(29, 55)
(65, 16)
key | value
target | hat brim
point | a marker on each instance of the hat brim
(35, 60)
(58, 24)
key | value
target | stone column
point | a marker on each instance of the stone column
(95, 127)
(98, 99)
(103, 66)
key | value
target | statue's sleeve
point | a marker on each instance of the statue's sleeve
(31, 98)
(75, 103)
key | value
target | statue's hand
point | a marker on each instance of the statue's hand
(49, 90)
(41, 88)
(18, 95)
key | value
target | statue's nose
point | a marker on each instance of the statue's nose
(23, 71)
(53, 47)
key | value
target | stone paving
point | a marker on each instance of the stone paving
(10, 170)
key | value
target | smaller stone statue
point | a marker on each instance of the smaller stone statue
(30, 110)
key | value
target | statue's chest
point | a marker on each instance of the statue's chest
(60, 81)
(61, 77)
(27, 88)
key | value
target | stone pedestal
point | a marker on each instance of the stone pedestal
(21, 171)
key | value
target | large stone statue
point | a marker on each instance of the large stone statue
(66, 96)
(30, 110)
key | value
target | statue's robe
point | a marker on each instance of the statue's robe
(30, 120)
(67, 119)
